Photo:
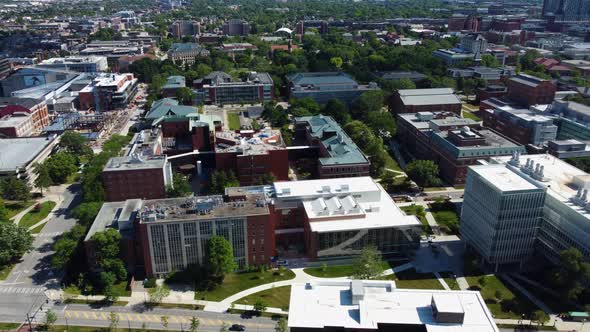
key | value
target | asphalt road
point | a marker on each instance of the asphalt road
(24, 289)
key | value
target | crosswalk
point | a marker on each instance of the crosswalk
(21, 290)
(151, 318)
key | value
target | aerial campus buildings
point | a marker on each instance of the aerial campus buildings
(363, 305)
(516, 207)
(317, 219)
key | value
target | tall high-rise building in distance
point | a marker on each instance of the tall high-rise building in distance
(183, 28)
(567, 10)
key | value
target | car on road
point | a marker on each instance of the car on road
(237, 327)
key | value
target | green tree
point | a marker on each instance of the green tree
(85, 213)
(368, 265)
(66, 245)
(15, 190)
(157, 294)
(382, 123)
(370, 101)
(185, 96)
(14, 242)
(3, 212)
(572, 273)
(540, 317)
(265, 179)
(336, 62)
(424, 173)
(282, 325)
(220, 256)
(74, 143)
(489, 60)
(113, 321)
(50, 319)
(43, 179)
(181, 186)
(164, 321)
(60, 166)
(195, 322)
(401, 84)
(260, 306)
(221, 180)
(337, 110)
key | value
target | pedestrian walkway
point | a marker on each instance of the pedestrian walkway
(461, 281)
(432, 221)
(442, 281)
(526, 293)
(154, 318)
(398, 269)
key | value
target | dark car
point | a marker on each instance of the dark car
(238, 327)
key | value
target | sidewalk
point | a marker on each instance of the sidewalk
(442, 281)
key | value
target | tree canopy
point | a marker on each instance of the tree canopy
(220, 256)
(14, 242)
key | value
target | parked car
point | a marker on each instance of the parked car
(238, 327)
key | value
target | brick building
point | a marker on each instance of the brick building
(424, 100)
(337, 218)
(338, 155)
(136, 176)
(490, 91)
(452, 143)
(251, 155)
(528, 90)
(22, 117)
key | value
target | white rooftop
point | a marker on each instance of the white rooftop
(503, 178)
(344, 204)
(332, 304)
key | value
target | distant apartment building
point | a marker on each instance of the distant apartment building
(528, 90)
(5, 68)
(453, 143)
(236, 27)
(324, 86)
(22, 117)
(490, 75)
(522, 125)
(338, 155)
(424, 100)
(459, 22)
(173, 84)
(219, 88)
(572, 118)
(184, 28)
(474, 43)
(533, 204)
(88, 64)
(108, 92)
(330, 219)
(187, 53)
(453, 57)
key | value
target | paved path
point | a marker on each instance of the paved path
(526, 293)
(461, 281)
(397, 269)
(442, 281)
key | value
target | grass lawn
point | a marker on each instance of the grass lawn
(500, 299)
(237, 282)
(73, 178)
(38, 229)
(330, 271)
(234, 121)
(451, 282)
(446, 217)
(179, 306)
(13, 208)
(418, 211)
(274, 298)
(391, 163)
(410, 279)
(120, 289)
(515, 327)
(5, 271)
(434, 189)
(32, 217)
(274, 317)
(8, 326)
(469, 115)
